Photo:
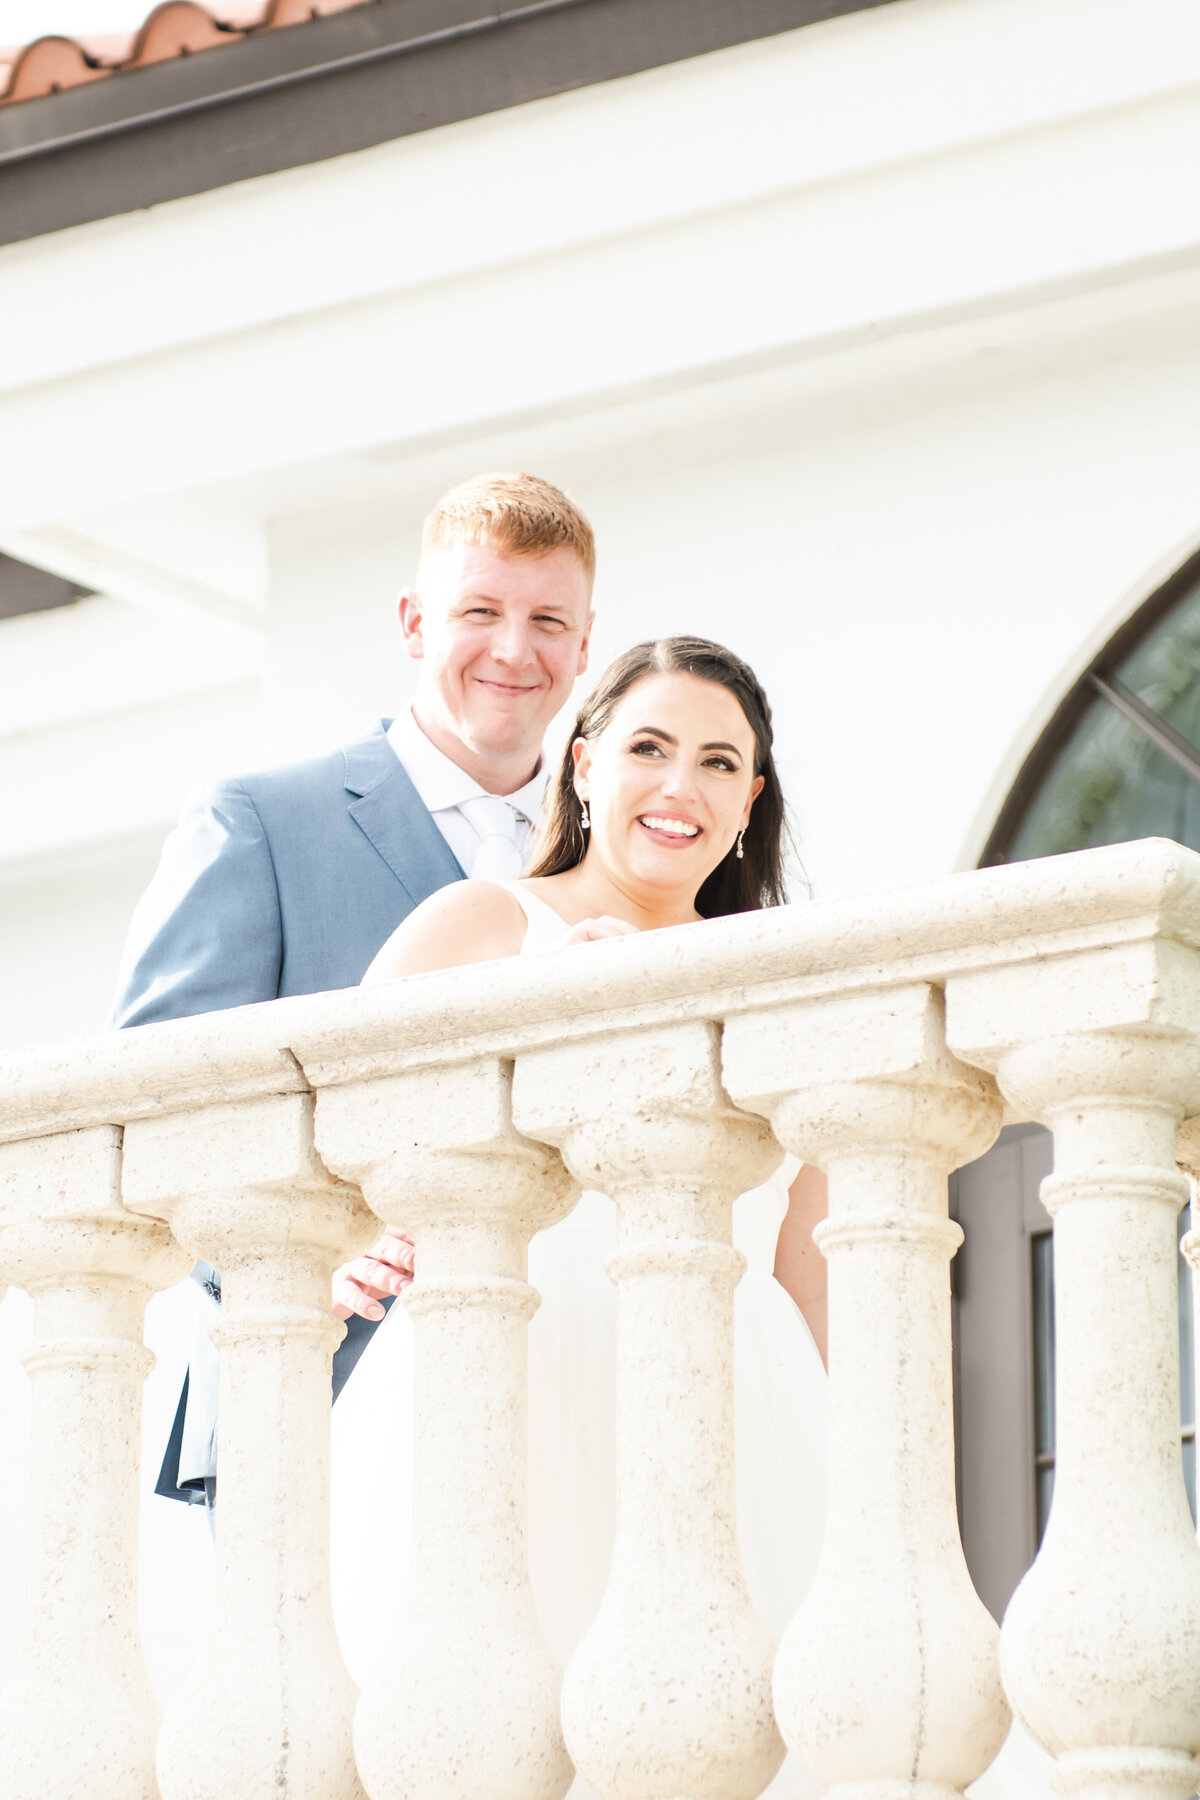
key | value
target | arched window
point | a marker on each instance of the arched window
(1119, 760)
(1121, 757)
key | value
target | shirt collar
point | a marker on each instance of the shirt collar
(440, 783)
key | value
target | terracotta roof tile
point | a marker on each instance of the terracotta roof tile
(177, 28)
(47, 65)
(111, 49)
(295, 12)
(174, 28)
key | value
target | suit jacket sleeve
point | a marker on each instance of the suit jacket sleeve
(207, 932)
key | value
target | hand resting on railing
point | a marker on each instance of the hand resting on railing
(384, 1271)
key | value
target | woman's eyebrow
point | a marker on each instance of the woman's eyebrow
(658, 732)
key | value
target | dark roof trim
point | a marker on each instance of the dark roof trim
(24, 589)
(337, 84)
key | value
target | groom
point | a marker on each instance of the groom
(289, 881)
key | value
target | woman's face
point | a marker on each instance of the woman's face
(670, 781)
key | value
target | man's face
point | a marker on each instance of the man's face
(501, 640)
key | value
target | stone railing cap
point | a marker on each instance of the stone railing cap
(981, 918)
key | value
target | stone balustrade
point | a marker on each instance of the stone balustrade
(884, 1040)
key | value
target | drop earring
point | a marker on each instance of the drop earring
(740, 852)
(584, 818)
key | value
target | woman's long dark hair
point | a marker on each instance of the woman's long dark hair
(735, 885)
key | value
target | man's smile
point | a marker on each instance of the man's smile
(507, 687)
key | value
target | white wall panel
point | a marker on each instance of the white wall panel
(870, 349)
(913, 562)
(871, 91)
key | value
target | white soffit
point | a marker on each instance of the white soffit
(904, 170)
(862, 95)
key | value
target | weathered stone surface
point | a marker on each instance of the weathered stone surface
(270, 1707)
(465, 1699)
(865, 1087)
(669, 1691)
(1026, 911)
(467, 1105)
(1101, 1641)
(91, 1267)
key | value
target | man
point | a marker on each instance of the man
(290, 880)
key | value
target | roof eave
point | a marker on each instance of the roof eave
(338, 84)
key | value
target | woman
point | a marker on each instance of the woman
(667, 809)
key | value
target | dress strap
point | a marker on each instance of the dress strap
(545, 927)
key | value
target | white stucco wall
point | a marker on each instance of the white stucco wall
(109, 712)
(914, 558)
(869, 348)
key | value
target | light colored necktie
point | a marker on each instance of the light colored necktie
(501, 828)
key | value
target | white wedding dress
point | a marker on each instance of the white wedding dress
(779, 1385)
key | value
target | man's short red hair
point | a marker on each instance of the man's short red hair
(519, 514)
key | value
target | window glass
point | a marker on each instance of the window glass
(1164, 669)
(1042, 1252)
(1187, 1360)
(1042, 1295)
(1109, 783)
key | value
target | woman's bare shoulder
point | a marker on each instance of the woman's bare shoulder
(467, 922)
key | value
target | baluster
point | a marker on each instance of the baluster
(668, 1693)
(1101, 1641)
(78, 1719)
(465, 1700)
(888, 1673)
(269, 1710)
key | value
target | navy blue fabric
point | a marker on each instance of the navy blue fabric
(168, 1476)
(359, 1332)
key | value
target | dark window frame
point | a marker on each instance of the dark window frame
(1098, 678)
(999, 1357)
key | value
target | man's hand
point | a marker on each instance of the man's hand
(386, 1268)
(589, 931)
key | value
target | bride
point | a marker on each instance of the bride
(666, 809)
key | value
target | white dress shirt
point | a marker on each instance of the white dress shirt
(446, 791)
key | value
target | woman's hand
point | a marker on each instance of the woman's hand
(386, 1268)
(590, 931)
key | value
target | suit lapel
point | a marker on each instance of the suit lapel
(390, 813)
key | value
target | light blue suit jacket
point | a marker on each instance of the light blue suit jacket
(284, 882)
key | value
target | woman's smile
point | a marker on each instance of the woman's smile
(670, 782)
(666, 828)
(652, 802)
